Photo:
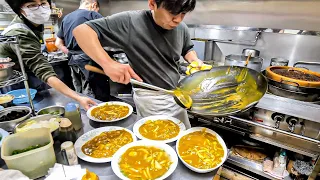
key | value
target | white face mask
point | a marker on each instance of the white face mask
(39, 16)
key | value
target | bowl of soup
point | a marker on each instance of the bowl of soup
(142, 160)
(159, 128)
(201, 149)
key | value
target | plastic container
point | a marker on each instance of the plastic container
(50, 44)
(34, 163)
(21, 95)
(72, 112)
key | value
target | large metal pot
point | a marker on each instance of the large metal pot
(255, 63)
(9, 125)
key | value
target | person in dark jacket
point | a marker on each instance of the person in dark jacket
(28, 27)
(66, 42)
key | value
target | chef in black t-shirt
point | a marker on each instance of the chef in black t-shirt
(153, 40)
(87, 11)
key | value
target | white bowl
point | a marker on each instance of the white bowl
(220, 141)
(168, 149)
(138, 124)
(90, 135)
(110, 103)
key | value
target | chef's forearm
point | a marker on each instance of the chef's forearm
(88, 41)
(191, 56)
(57, 84)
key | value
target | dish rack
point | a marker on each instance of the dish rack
(17, 76)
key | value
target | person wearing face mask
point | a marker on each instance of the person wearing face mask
(153, 41)
(65, 41)
(28, 27)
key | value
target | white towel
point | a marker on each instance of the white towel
(12, 175)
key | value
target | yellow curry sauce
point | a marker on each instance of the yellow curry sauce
(106, 144)
(201, 150)
(183, 97)
(240, 97)
(144, 162)
(110, 112)
(159, 129)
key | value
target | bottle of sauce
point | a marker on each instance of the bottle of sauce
(71, 154)
(72, 112)
(280, 163)
(66, 131)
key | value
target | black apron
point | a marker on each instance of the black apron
(98, 83)
(79, 59)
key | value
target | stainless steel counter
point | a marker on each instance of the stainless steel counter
(104, 170)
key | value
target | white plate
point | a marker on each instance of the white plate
(3, 134)
(90, 135)
(110, 103)
(138, 124)
(220, 141)
(168, 149)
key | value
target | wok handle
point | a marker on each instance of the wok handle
(97, 70)
(94, 69)
(156, 88)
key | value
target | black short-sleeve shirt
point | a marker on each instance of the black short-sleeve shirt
(153, 52)
(70, 22)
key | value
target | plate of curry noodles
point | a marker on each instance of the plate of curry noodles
(159, 128)
(144, 160)
(99, 145)
(201, 149)
(110, 111)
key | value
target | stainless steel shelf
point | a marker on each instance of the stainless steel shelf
(284, 145)
(251, 166)
(300, 109)
(16, 78)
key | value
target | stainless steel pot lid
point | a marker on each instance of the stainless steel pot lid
(253, 52)
(253, 60)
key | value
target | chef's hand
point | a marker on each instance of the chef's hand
(196, 66)
(120, 73)
(86, 102)
(196, 63)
